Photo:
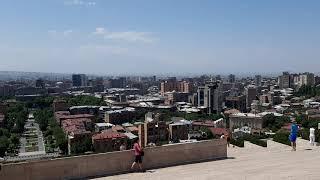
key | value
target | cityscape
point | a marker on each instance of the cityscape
(155, 90)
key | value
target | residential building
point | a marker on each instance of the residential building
(94, 110)
(237, 102)
(251, 94)
(239, 120)
(184, 87)
(197, 125)
(120, 82)
(257, 80)
(172, 84)
(168, 86)
(30, 91)
(306, 79)
(210, 97)
(61, 116)
(40, 83)
(120, 116)
(285, 80)
(79, 80)
(108, 141)
(77, 130)
(7, 90)
(60, 105)
(153, 131)
(102, 126)
(232, 78)
(317, 80)
(179, 130)
(173, 97)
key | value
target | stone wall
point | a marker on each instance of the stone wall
(114, 162)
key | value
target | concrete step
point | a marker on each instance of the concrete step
(273, 146)
(305, 145)
(249, 145)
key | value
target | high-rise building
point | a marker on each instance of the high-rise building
(251, 94)
(285, 80)
(232, 78)
(7, 90)
(210, 97)
(40, 83)
(172, 85)
(121, 82)
(307, 79)
(236, 102)
(79, 80)
(317, 80)
(257, 80)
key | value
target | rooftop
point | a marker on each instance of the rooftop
(75, 126)
(104, 124)
(251, 115)
(108, 135)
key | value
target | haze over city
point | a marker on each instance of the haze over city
(159, 89)
(155, 37)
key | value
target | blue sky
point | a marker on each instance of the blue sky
(160, 36)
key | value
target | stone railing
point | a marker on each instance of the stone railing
(114, 162)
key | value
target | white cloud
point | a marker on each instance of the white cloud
(60, 33)
(52, 32)
(79, 3)
(130, 36)
(67, 32)
(100, 31)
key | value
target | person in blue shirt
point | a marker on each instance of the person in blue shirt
(293, 135)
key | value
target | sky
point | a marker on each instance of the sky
(159, 36)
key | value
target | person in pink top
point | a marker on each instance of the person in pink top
(138, 152)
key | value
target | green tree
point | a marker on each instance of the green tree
(4, 144)
(42, 117)
(274, 123)
(82, 146)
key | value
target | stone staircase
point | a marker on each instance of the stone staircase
(273, 147)
(252, 162)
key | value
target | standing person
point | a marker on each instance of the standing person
(293, 135)
(138, 152)
(228, 139)
(312, 136)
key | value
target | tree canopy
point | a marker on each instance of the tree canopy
(274, 123)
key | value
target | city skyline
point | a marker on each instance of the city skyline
(167, 37)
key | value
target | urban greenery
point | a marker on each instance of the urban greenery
(42, 117)
(237, 142)
(254, 139)
(282, 137)
(83, 146)
(84, 100)
(308, 91)
(14, 125)
(40, 103)
(275, 123)
(53, 133)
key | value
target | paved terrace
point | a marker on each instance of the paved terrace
(252, 162)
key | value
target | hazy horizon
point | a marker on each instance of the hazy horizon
(160, 37)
